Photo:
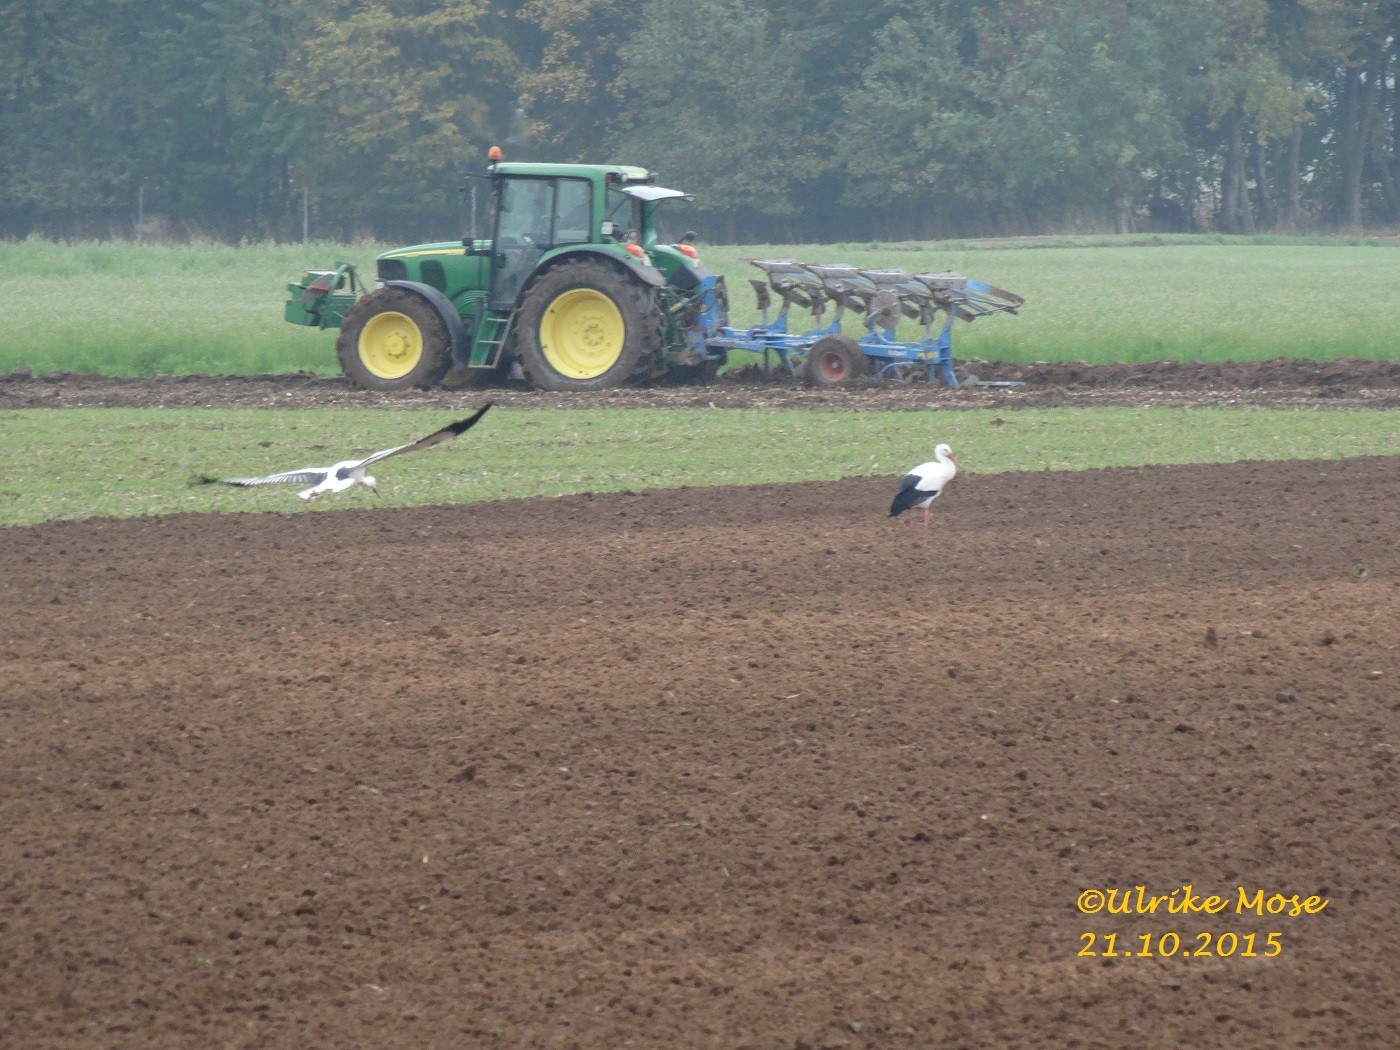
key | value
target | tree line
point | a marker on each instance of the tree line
(790, 120)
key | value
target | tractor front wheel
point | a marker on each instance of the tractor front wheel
(583, 325)
(391, 339)
(836, 360)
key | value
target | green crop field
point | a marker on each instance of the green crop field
(78, 463)
(126, 309)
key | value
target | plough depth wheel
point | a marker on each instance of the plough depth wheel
(836, 360)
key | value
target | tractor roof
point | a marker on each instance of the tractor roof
(620, 172)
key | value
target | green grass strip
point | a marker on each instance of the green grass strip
(129, 310)
(80, 463)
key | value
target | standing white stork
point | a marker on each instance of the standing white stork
(348, 472)
(922, 485)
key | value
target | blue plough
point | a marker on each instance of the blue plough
(880, 297)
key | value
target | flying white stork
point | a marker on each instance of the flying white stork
(922, 485)
(348, 472)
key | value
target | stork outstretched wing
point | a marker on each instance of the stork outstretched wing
(305, 476)
(452, 430)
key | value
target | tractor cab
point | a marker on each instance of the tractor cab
(548, 209)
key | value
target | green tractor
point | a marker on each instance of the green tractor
(573, 287)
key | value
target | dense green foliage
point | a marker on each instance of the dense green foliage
(813, 121)
(79, 463)
(140, 309)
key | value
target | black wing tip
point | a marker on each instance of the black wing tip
(466, 424)
(204, 479)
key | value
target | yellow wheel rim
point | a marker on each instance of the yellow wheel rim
(581, 334)
(391, 345)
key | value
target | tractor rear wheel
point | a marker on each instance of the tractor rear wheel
(391, 339)
(583, 325)
(836, 360)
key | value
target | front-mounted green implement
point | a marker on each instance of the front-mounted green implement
(321, 297)
(574, 286)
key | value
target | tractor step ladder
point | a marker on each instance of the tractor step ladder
(492, 331)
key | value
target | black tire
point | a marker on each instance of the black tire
(391, 339)
(836, 360)
(584, 325)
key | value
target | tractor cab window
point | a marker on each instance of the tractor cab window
(664, 224)
(532, 216)
(574, 221)
(633, 212)
(527, 205)
(625, 214)
(524, 213)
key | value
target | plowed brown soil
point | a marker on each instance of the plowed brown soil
(732, 768)
(1346, 383)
